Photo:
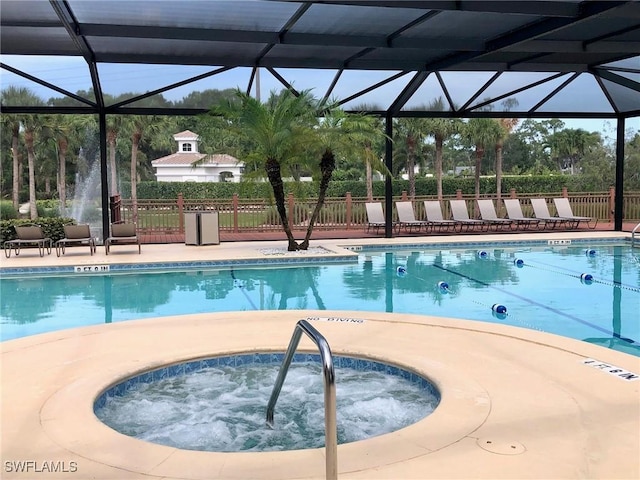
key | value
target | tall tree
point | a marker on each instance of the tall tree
(441, 129)
(336, 132)
(33, 127)
(114, 126)
(569, 145)
(481, 133)
(276, 129)
(412, 132)
(13, 95)
(139, 125)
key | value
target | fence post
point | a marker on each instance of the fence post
(458, 194)
(348, 213)
(512, 193)
(235, 213)
(180, 213)
(404, 196)
(612, 199)
(291, 210)
(565, 193)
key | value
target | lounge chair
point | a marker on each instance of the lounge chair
(489, 215)
(122, 234)
(563, 207)
(514, 212)
(433, 214)
(541, 211)
(407, 218)
(28, 234)
(460, 214)
(375, 217)
(75, 235)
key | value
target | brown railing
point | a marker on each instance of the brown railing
(344, 213)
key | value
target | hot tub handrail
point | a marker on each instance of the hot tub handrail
(330, 426)
(633, 234)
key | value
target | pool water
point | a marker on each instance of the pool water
(223, 408)
(543, 291)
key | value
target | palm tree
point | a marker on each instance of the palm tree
(13, 95)
(481, 132)
(506, 127)
(413, 132)
(276, 129)
(33, 126)
(115, 123)
(61, 131)
(441, 129)
(139, 125)
(340, 132)
(12, 124)
(568, 146)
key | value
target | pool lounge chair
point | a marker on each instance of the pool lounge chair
(563, 207)
(489, 215)
(407, 218)
(375, 217)
(460, 214)
(541, 211)
(433, 214)
(514, 212)
(75, 235)
(122, 234)
(28, 234)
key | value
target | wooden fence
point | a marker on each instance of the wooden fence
(344, 213)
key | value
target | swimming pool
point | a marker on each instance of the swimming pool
(544, 293)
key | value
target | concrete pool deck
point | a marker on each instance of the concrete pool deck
(516, 403)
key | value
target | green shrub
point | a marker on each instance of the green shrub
(7, 211)
(357, 188)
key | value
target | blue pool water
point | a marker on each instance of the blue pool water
(545, 292)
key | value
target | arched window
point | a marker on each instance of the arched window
(186, 147)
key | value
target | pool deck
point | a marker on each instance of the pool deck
(516, 403)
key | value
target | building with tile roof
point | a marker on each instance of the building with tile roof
(189, 165)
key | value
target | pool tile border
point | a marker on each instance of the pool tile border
(340, 361)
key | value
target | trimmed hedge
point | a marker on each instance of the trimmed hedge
(424, 186)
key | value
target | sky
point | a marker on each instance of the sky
(71, 73)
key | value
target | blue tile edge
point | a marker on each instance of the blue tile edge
(498, 243)
(167, 266)
(359, 364)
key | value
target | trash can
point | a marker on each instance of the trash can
(201, 228)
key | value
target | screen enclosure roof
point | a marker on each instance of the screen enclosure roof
(432, 58)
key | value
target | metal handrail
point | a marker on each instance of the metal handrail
(633, 234)
(330, 426)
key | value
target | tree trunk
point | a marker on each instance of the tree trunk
(499, 173)
(327, 166)
(479, 155)
(439, 166)
(135, 141)
(411, 146)
(275, 179)
(16, 168)
(62, 173)
(111, 142)
(369, 173)
(31, 162)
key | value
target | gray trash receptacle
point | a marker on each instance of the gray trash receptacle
(201, 228)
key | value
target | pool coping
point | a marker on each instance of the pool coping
(251, 254)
